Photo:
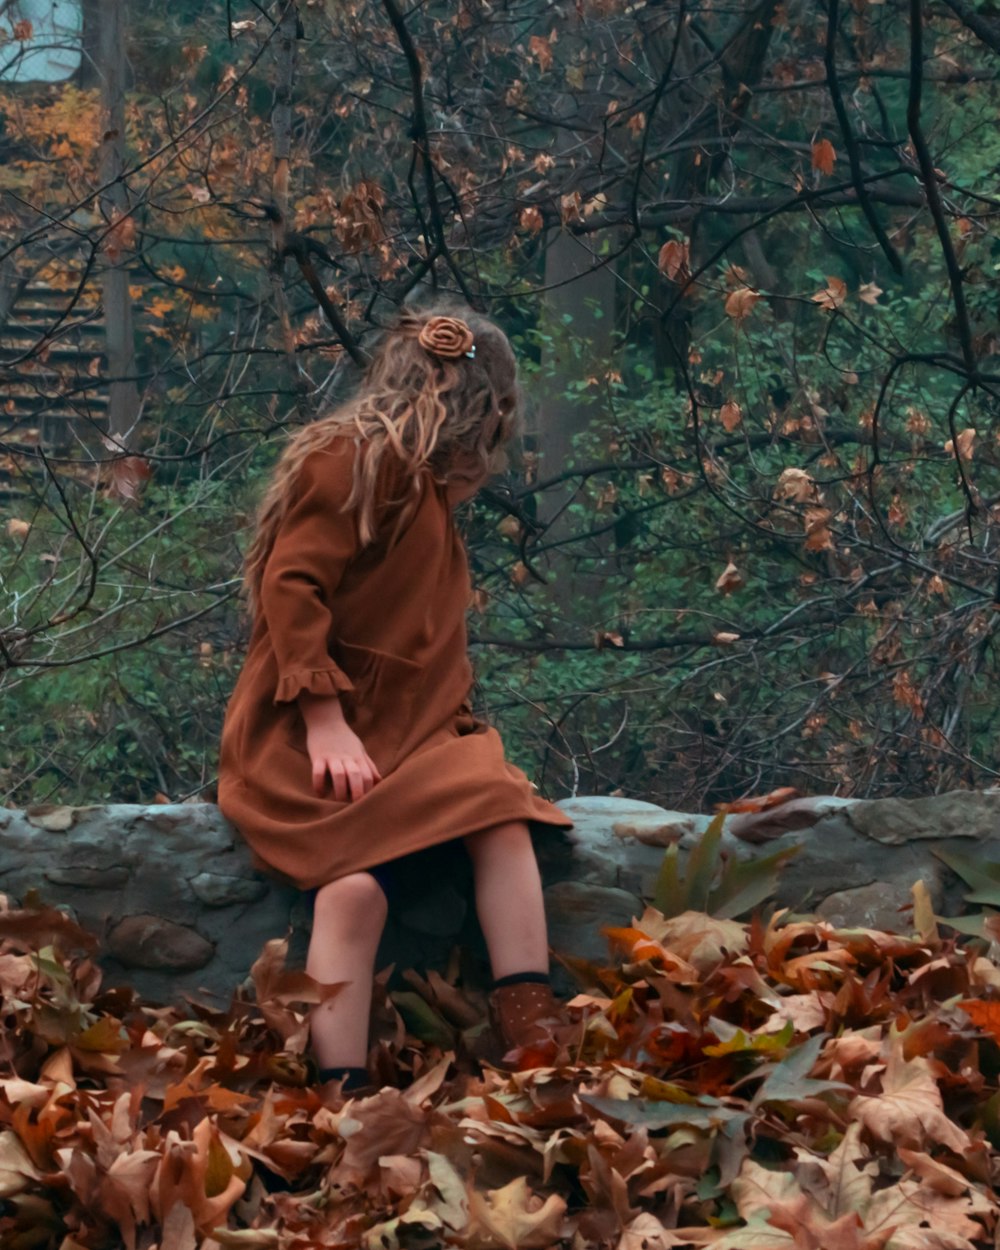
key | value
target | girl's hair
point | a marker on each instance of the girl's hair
(424, 409)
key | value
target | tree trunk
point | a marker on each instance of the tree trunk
(123, 411)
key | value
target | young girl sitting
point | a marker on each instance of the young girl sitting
(349, 743)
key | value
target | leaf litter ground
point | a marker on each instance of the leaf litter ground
(766, 1086)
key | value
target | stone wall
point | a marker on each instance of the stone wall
(171, 893)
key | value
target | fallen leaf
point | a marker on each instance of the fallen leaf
(516, 1218)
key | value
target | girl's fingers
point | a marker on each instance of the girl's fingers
(339, 780)
(351, 779)
(355, 780)
(366, 773)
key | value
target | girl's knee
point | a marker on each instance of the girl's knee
(512, 835)
(357, 899)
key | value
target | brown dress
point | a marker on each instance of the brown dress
(383, 628)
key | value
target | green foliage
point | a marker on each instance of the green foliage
(715, 882)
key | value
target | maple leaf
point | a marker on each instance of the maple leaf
(832, 295)
(700, 940)
(909, 1110)
(868, 293)
(514, 1217)
(16, 1168)
(789, 1080)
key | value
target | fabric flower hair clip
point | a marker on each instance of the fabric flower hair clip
(447, 337)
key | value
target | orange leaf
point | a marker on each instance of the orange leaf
(632, 943)
(985, 1016)
(823, 156)
(541, 50)
(760, 802)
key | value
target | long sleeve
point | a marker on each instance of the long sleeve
(314, 543)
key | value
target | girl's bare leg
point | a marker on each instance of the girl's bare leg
(509, 898)
(349, 916)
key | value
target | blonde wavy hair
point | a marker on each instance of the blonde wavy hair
(451, 415)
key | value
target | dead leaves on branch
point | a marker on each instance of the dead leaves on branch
(742, 1087)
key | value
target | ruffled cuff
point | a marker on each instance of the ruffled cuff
(322, 681)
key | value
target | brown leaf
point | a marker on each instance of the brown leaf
(909, 1110)
(966, 443)
(739, 305)
(833, 294)
(730, 580)
(673, 259)
(730, 415)
(531, 219)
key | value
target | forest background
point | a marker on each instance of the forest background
(747, 256)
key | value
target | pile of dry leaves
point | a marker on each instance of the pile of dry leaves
(779, 1085)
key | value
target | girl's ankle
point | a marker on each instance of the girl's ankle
(352, 1077)
(519, 978)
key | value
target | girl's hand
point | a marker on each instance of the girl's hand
(336, 752)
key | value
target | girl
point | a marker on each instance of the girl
(349, 744)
